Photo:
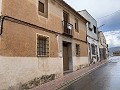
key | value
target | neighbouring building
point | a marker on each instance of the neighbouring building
(116, 53)
(40, 38)
(92, 37)
(103, 46)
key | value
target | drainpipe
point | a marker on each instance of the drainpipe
(2, 22)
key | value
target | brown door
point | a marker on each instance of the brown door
(104, 50)
(65, 57)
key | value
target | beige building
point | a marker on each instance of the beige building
(40, 38)
(116, 53)
(103, 46)
(92, 37)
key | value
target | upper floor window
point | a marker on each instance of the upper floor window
(95, 30)
(76, 25)
(89, 26)
(43, 7)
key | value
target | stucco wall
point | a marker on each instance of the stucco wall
(18, 42)
(92, 21)
(21, 40)
(16, 70)
(27, 10)
(79, 62)
(83, 49)
(102, 40)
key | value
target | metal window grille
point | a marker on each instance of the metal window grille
(42, 46)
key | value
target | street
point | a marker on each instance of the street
(106, 77)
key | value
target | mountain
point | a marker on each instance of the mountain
(112, 49)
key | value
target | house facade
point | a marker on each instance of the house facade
(116, 53)
(103, 46)
(39, 38)
(92, 37)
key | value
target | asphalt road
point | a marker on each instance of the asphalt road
(106, 77)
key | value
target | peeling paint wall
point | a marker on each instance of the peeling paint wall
(15, 70)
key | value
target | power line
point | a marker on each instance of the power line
(109, 14)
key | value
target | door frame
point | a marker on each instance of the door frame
(70, 60)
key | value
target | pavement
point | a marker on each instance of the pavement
(69, 78)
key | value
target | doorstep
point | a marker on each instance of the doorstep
(69, 78)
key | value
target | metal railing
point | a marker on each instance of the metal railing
(68, 28)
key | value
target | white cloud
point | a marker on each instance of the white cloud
(113, 38)
(97, 8)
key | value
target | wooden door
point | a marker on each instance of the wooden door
(65, 57)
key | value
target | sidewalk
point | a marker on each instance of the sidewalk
(69, 78)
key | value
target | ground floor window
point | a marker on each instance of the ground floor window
(42, 46)
(93, 49)
(77, 50)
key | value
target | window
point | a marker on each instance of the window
(76, 25)
(93, 49)
(77, 50)
(42, 46)
(89, 26)
(43, 7)
(94, 29)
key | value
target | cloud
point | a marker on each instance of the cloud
(97, 8)
(113, 38)
(111, 22)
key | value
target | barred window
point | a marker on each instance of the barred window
(77, 50)
(42, 46)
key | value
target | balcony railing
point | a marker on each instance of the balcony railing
(68, 28)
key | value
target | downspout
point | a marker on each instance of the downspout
(2, 22)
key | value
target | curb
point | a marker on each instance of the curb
(67, 83)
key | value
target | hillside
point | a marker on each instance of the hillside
(112, 49)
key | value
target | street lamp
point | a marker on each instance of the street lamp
(101, 26)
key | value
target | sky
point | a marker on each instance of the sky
(106, 12)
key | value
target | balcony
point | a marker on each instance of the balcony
(68, 28)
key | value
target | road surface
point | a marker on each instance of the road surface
(106, 77)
